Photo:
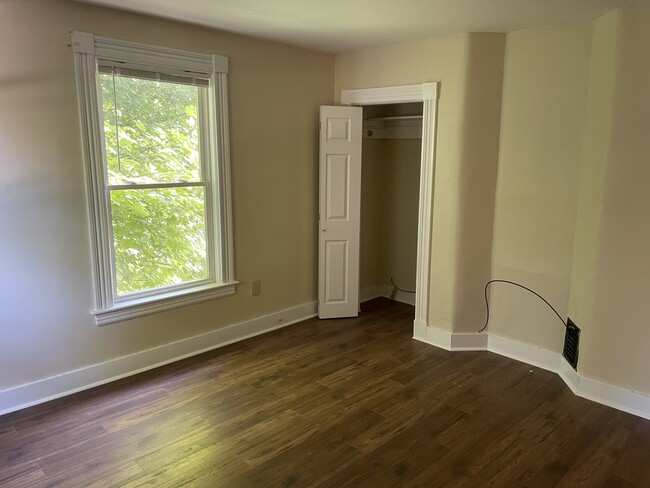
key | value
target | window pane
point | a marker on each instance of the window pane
(159, 237)
(151, 130)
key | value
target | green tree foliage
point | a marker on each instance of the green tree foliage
(152, 136)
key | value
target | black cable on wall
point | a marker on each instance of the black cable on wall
(487, 303)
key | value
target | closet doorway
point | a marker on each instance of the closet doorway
(390, 184)
(425, 94)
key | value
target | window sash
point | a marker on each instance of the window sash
(204, 132)
(207, 216)
(206, 174)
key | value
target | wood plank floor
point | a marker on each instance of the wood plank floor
(335, 403)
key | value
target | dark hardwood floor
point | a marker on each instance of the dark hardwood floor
(350, 402)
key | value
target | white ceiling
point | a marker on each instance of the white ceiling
(343, 25)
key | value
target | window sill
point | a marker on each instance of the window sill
(165, 301)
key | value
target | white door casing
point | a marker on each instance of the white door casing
(427, 93)
(339, 211)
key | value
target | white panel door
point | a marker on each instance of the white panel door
(339, 209)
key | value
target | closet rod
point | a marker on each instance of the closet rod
(397, 117)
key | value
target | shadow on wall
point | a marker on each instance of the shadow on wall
(477, 178)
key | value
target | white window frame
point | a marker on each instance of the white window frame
(89, 51)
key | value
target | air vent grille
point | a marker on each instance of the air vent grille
(571, 344)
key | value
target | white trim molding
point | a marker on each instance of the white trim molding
(158, 303)
(526, 353)
(598, 391)
(40, 391)
(450, 341)
(67, 383)
(391, 94)
(464, 341)
(136, 55)
(428, 94)
(420, 331)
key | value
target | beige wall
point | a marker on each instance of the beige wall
(389, 211)
(616, 347)
(544, 97)
(45, 273)
(572, 199)
(569, 125)
(477, 178)
(460, 124)
(594, 156)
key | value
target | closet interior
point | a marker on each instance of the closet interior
(390, 180)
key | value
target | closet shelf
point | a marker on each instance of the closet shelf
(396, 117)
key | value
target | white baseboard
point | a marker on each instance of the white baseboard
(385, 291)
(439, 337)
(436, 337)
(26, 395)
(468, 341)
(419, 330)
(372, 292)
(408, 298)
(598, 391)
(535, 356)
(569, 375)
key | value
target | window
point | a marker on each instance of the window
(154, 132)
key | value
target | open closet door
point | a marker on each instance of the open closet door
(339, 211)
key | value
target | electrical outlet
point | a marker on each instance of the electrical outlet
(256, 288)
